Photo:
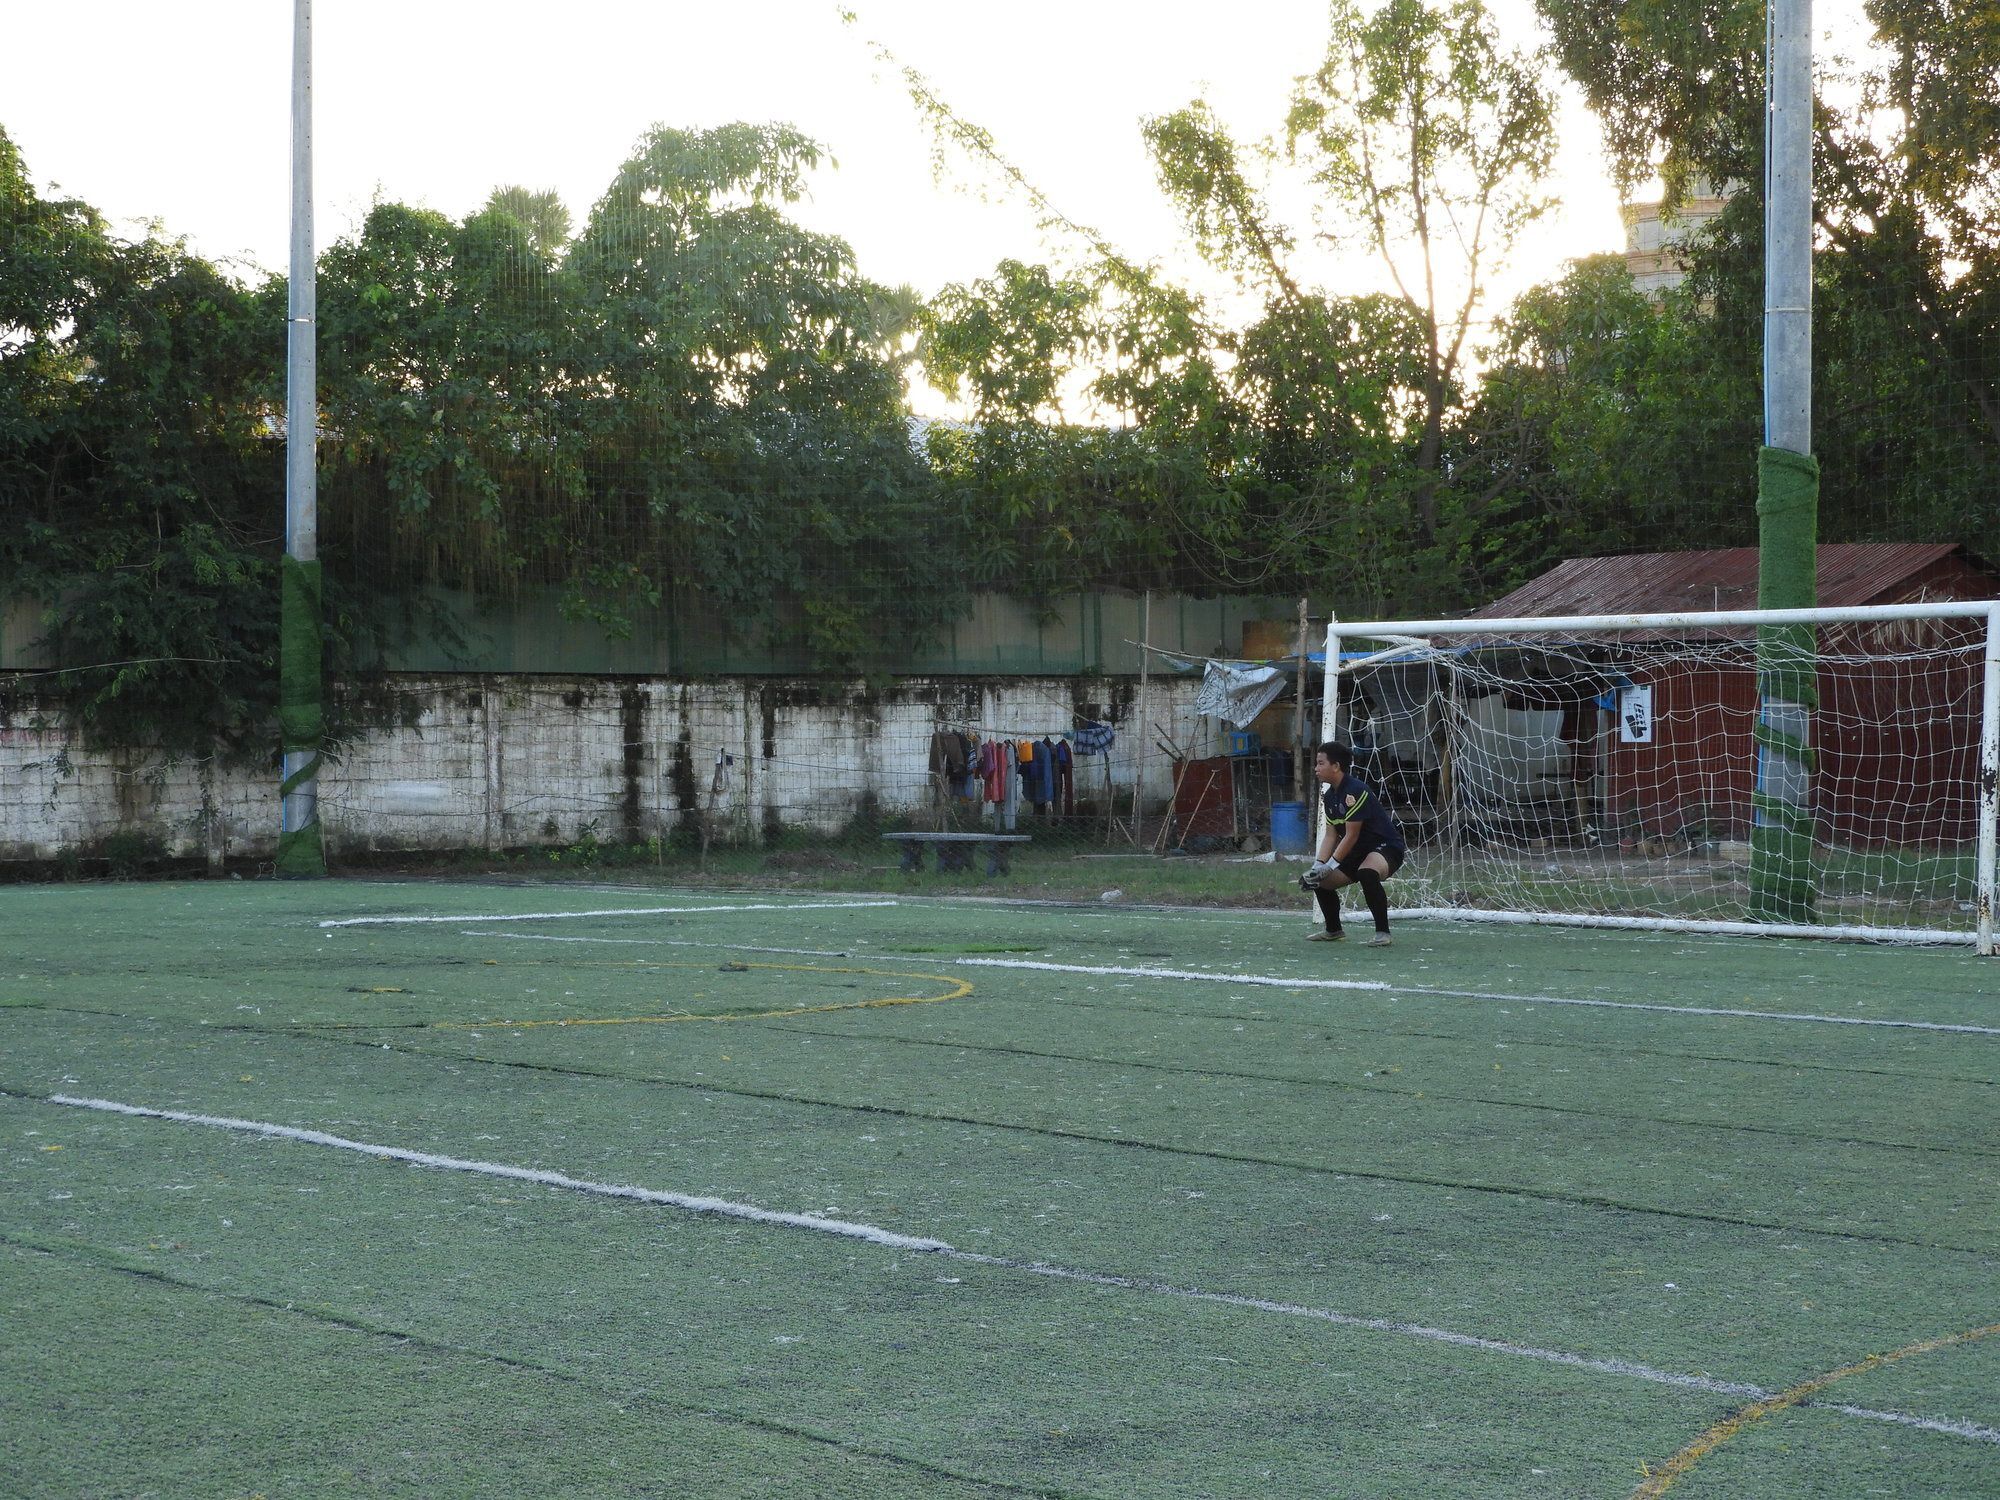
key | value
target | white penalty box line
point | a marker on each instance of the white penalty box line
(623, 911)
(889, 1239)
(1284, 982)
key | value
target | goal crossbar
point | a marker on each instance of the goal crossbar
(1987, 609)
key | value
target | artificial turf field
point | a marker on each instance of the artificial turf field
(1496, 1211)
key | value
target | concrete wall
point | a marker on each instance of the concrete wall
(493, 762)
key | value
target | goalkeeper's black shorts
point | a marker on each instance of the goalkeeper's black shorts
(1392, 855)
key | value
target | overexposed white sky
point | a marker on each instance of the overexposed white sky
(180, 112)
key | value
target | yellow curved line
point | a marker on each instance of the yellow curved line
(1662, 1479)
(956, 989)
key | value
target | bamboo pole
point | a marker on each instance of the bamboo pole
(1299, 713)
(1145, 680)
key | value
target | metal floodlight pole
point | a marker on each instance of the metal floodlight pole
(300, 658)
(1788, 229)
(301, 397)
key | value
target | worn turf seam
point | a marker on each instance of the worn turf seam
(1585, 1200)
(92, 1255)
(1397, 991)
(889, 1240)
(777, 1018)
(1348, 1086)
(1581, 1200)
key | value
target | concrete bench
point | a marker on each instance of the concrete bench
(954, 850)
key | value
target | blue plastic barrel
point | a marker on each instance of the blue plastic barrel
(1288, 828)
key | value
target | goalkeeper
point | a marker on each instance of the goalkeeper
(1361, 846)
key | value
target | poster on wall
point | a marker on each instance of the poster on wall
(1635, 715)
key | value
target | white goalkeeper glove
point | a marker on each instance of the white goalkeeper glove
(1311, 879)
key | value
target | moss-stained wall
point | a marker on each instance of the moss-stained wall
(508, 761)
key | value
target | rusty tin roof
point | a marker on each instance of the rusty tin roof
(1850, 573)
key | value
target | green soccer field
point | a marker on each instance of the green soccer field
(451, 1189)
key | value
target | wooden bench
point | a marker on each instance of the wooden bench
(954, 850)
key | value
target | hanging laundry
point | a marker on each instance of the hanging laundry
(1031, 775)
(965, 768)
(1010, 784)
(1066, 777)
(993, 769)
(1093, 738)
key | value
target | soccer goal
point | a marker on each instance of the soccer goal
(1620, 771)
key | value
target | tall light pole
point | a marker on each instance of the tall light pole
(302, 722)
(1781, 873)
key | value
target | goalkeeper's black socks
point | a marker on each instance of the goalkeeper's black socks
(1376, 897)
(1329, 906)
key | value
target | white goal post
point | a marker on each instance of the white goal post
(1605, 770)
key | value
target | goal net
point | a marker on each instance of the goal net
(1611, 771)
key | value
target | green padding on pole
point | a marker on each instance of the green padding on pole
(1786, 744)
(300, 853)
(301, 720)
(301, 716)
(1782, 884)
(1787, 545)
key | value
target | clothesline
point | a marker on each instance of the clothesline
(1078, 722)
(1089, 738)
(1020, 734)
(1186, 660)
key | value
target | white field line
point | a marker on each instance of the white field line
(719, 1206)
(1138, 973)
(626, 911)
(1626, 1368)
(893, 1241)
(1280, 982)
(549, 937)
(1971, 1430)
(1702, 1010)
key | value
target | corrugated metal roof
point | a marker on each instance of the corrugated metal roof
(1851, 573)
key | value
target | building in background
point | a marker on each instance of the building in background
(1654, 241)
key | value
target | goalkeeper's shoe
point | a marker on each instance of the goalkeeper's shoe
(1380, 940)
(1326, 935)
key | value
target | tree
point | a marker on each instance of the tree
(137, 467)
(1907, 207)
(693, 401)
(1046, 506)
(541, 214)
(449, 447)
(745, 403)
(1577, 441)
(1427, 143)
(1423, 128)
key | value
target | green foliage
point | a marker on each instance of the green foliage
(1435, 142)
(694, 402)
(1906, 273)
(689, 403)
(137, 470)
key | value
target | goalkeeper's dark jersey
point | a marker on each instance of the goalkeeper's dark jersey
(1354, 801)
